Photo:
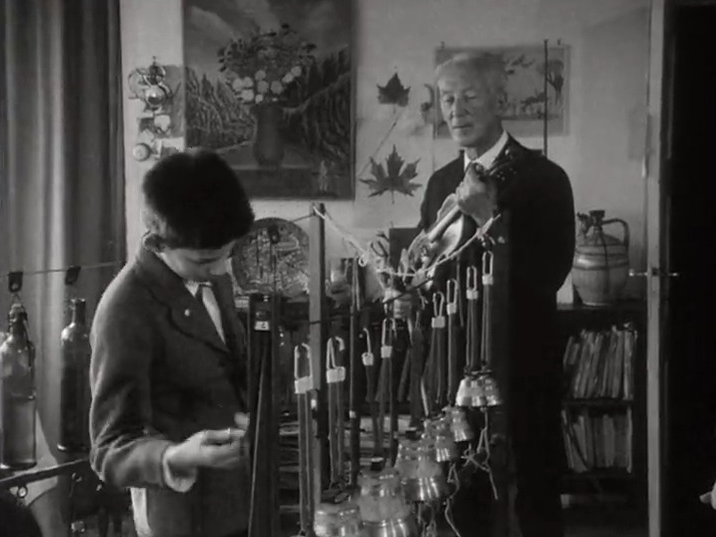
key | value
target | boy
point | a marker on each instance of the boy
(168, 358)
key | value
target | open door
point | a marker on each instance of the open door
(681, 220)
(683, 294)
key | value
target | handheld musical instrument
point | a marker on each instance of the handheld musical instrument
(447, 234)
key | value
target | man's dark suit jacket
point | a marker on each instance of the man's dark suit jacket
(541, 235)
(160, 372)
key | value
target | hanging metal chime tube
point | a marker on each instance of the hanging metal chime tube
(74, 381)
(18, 397)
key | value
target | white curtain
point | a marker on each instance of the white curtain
(61, 164)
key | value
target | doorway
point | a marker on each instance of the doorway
(690, 195)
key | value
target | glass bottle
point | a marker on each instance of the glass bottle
(74, 382)
(18, 398)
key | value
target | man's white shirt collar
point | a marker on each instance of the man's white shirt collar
(488, 157)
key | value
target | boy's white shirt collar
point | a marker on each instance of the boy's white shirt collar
(193, 286)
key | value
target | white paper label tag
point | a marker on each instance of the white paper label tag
(302, 385)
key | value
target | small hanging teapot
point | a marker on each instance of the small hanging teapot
(148, 84)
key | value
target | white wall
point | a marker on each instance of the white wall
(601, 151)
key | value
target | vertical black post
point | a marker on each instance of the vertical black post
(317, 313)
(354, 413)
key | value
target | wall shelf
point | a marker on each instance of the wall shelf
(573, 319)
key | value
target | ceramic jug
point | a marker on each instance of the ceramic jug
(601, 262)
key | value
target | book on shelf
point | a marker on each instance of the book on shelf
(598, 442)
(600, 364)
(599, 369)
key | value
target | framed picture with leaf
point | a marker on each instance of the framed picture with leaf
(272, 90)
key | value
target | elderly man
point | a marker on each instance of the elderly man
(537, 196)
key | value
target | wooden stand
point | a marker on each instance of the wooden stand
(264, 397)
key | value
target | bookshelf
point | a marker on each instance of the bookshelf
(604, 400)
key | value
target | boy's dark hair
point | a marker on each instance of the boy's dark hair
(193, 199)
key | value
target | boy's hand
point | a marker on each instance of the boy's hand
(225, 448)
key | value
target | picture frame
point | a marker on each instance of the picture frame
(298, 141)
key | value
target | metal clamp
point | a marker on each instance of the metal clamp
(451, 296)
(386, 338)
(302, 385)
(471, 286)
(487, 266)
(368, 357)
(438, 310)
(334, 372)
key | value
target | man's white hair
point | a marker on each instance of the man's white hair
(485, 66)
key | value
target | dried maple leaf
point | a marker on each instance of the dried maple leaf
(394, 177)
(393, 92)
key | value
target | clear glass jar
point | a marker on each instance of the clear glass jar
(416, 459)
(380, 496)
(439, 433)
(422, 476)
(338, 520)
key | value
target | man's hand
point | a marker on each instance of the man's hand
(401, 303)
(242, 421)
(709, 498)
(477, 197)
(225, 449)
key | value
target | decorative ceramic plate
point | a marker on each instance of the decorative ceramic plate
(253, 263)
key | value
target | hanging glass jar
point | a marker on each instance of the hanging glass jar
(74, 381)
(18, 398)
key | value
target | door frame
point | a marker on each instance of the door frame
(654, 176)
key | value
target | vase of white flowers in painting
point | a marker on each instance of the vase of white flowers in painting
(262, 69)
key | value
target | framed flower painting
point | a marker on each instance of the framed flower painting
(269, 86)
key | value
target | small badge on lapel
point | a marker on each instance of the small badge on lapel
(187, 313)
